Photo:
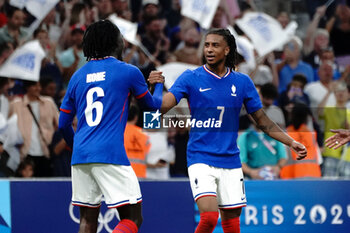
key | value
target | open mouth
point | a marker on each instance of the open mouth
(210, 57)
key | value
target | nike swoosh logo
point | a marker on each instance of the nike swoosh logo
(206, 89)
(242, 198)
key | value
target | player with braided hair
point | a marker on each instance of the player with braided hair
(99, 95)
(216, 91)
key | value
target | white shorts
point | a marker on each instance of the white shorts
(118, 184)
(227, 185)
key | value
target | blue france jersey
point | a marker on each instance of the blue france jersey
(211, 99)
(98, 94)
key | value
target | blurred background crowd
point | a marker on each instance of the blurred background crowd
(304, 85)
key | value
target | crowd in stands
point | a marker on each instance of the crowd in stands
(304, 86)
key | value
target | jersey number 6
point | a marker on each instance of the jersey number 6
(90, 106)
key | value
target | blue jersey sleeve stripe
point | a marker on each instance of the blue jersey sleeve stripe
(142, 95)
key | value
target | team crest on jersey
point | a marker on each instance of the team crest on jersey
(233, 90)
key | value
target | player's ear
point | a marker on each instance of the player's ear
(227, 50)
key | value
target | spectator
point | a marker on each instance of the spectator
(49, 88)
(4, 102)
(283, 18)
(78, 15)
(312, 54)
(173, 16)
(37, 121)
(335, 117)
(189, 53)
(176, 34)
(327, 55)
(13, 31)
(292, 64)
(50, 65)
(262, 157)
(26, 169)
(298, 130)
(6, 48)
(73, 58)
(154, 39)
(51, 26)
(121, 8)
(294, 94)
(268, 95)
(104, 8)
(136, 143)
(317, 90)
(264, 72)
(160, 156)
(316, 39)
(150, 9)
(339, 30)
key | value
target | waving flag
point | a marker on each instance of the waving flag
(201, 11)
(265, 32)
(24, 62)
(171, 71)
(37, 8)
(244, 48)
(127, 28)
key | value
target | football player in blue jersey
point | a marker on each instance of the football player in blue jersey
(99, 94)
(215, 92)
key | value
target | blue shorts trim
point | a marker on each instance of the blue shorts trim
(121, 203)
(204, 194)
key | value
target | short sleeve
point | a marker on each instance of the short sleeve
(251, 100)
(180, 87)
(243, 152)
(68, 105)
(137, 82)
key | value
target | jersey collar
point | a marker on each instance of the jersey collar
(97, 59)
(215, 75)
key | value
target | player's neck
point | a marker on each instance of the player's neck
(219, 69)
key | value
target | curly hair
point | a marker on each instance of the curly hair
(231, 57)
(102, 39)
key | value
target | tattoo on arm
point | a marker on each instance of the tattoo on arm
(263, 122)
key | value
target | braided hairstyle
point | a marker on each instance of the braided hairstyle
(231, 57)
(102, 39)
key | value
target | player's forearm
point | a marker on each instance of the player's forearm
(65, 127)
(271, 128)
(153, 102)
(275, 132)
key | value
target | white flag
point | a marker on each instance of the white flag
(24, 62)
(265, 32)
(244, 48)
(38, 8)
(127, 28)
(201, 11)
(171, 71)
